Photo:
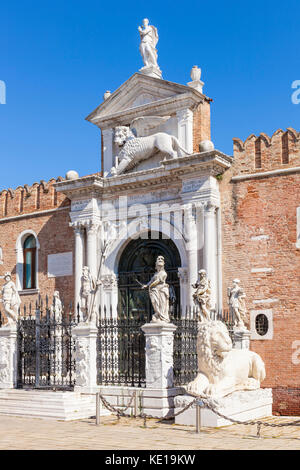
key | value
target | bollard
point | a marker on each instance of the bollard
(98, 405)
(198, 418)
(136, 408)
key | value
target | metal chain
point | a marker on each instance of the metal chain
(205, 403)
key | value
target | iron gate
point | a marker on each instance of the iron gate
(46, 352)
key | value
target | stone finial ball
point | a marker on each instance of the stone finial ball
(106, 95)
(72, 175)
(206, 146)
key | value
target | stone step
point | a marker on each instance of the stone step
(64, 406)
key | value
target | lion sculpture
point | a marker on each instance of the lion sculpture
(222, 369)
(136, 149)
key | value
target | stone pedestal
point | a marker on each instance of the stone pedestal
(86, 356)
(241, 338)
(159, 354)
(242, 406)
(8, 357)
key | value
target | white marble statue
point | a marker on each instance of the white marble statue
(159, 292)
(149, 39)
(135, 149)
(236, 302)
(222, 369)
(89, 286)
(11, 300)
(202, 295)
(56, 307)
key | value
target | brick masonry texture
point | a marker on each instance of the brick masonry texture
(267, 206)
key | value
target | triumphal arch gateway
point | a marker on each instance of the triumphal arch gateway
(152, 250)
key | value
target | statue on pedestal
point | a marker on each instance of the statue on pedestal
(236, 302)
(202, 295)
(159, 292)
(89, 286)
(11, 300)
(149, 39)
(56, 307)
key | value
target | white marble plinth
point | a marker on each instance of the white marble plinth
(8, 357)
(159, 354)
(151, 71)
(241, 338)
(243, 406)
(86, 355)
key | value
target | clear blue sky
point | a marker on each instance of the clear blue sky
(59, 57)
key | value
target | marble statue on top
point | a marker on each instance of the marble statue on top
(236, 302)
(136, 145)
(89, 287)
(159, 292)
(11, 300)
(202, 295)
(149, 39)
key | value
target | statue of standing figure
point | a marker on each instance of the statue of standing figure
(236, 302)
(89, 287)
(149, 39)
(159, 292)
(56, 307)
(202, 295)
(11, 300)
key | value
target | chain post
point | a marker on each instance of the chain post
(98, 405)
(198, 418)
(136, 404)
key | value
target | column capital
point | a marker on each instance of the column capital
(210, 208)
(184, 114)
(109, 281)
(92, 226)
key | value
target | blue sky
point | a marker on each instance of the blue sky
(59, 57)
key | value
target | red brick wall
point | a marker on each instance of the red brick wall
(52, 229)
(201, 124)
(267, 206)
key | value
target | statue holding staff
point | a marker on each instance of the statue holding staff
(149, 39)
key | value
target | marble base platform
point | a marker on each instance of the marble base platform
(243, 406)
(48, 404)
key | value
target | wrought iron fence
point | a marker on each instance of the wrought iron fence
(121, 349)
(46, 349)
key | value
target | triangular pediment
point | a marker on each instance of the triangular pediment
(138, 91)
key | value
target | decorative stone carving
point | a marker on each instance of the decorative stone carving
(82, 358)
(222, 369)
(4, 360)
(195, 76)
(149, 39)
(86, 356)
(11, 300)
(202, 295)
(159, 292)
(89, 286)
(136, 149)
(236, 302)
(109, 281)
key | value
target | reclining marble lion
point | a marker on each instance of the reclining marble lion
(222, 369)
(136, 149)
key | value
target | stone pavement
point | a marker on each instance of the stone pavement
(129, 433)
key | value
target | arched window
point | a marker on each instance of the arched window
(29, 263)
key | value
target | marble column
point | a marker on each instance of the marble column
(210, 260)
(190, 230)
(91, 251)
(159, 354)
(185, 129)
(8, 357)
(79, 253)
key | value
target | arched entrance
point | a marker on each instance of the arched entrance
(137, 265)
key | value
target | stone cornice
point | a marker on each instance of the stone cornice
(266, 174)
(160, 107)
(175, 170)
